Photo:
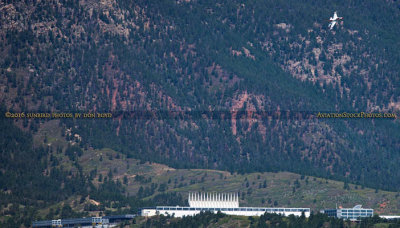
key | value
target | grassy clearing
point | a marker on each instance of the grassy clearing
(281, 189)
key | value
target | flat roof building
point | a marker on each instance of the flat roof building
(105, 221)
(354, 214)
(178, 211)
(227, 203)
(390, 216)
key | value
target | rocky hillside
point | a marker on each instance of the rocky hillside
(226, 85)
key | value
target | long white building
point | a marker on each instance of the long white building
(227, 203)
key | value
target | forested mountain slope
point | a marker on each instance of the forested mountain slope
(61, 180)
(226, 85)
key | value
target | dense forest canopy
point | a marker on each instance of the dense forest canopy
(226, 85)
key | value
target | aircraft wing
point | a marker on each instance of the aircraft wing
(332, 24)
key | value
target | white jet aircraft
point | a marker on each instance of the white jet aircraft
(333, 20)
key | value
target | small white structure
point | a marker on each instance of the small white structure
(227, 203)
(390, 216)
(354, 214)
(56, 223)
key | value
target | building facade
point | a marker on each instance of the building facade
(177, 211)
(227, 203)
(354, 214)
(103, 222)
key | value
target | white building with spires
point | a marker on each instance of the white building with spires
(213, 200)
(227, 203)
